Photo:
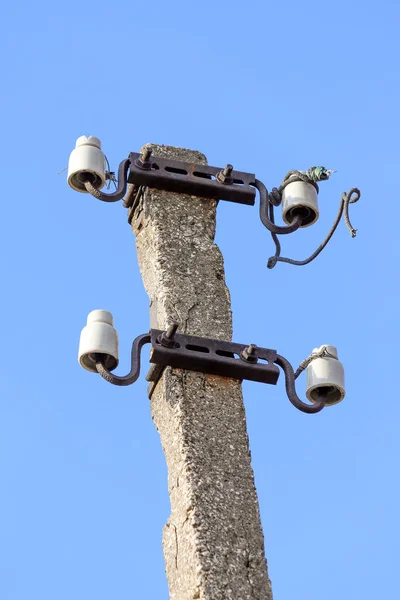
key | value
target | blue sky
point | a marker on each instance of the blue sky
(268, 87)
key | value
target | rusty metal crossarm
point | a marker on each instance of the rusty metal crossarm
(192, 178)
(208, 355)
(216, 357)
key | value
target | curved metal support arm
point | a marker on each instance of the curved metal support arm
(291, 389)
(266, 221)
(347, 198)
(134, 373)
(121, 189)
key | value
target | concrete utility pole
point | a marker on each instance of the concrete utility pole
(213, 541)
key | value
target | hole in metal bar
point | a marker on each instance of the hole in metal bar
(176, 170)
(238, 181)
(203, 175)
(226, 353)
(197, 348)
(176, 345)
(155, 167)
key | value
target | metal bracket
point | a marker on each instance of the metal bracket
(217, 357)
(192, 178)
(206, 355)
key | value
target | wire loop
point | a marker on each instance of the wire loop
(350, 197)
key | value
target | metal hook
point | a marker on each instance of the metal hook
(291, 389)
(134, 373)
(121, 189)
(269, 224)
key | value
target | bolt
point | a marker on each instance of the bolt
(249, 354)
(166, 339)
(227, 172)
(145, 155)
(172, 329)
(225, 176)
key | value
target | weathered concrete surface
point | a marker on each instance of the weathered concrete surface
(213, 541)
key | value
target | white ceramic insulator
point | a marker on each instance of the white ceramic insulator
(325, 376)
(87, 158)
(98, 337)
(300, 198)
